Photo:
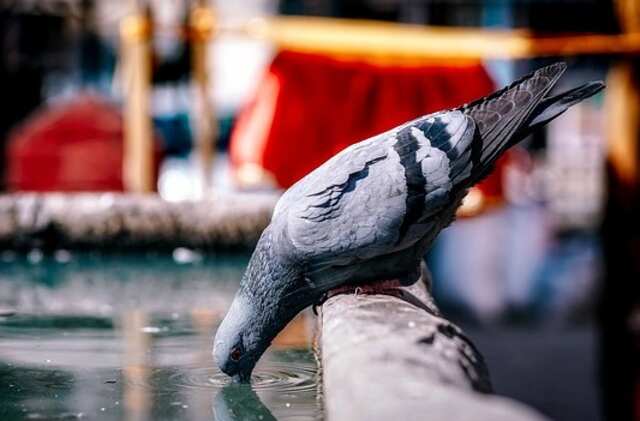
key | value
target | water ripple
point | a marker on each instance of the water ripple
(275, 376)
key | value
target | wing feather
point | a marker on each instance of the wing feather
(381, 195)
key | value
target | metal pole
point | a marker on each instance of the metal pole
(202, 29)
(135, 32)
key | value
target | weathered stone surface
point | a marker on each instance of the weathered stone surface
(384, 358)
(226, 221)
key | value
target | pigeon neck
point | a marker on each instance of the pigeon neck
(268, 272)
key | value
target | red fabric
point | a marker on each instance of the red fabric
(75, 146)
(309, 107)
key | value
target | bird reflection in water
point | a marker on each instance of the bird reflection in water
(238, 401)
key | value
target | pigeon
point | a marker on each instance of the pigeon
(371, 212)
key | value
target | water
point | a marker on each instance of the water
(129, 337)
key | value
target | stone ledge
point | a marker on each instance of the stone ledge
(125, 221)
(384, 358)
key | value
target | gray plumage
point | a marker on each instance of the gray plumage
(370, 212)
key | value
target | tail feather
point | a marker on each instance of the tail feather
(509, 115)
(499, 117)
(552, 107)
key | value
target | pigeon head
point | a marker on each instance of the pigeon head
(271, 293)
(235, 347)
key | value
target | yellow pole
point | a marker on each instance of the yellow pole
(629, 13)
(202, 27)
(623, 104)
(371, 40)
(137, 171)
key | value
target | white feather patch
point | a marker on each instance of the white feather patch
(424, 144)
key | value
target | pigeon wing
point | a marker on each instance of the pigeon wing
(381, 195)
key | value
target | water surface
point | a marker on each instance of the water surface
(129, 337)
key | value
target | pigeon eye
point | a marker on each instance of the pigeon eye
(236, 354)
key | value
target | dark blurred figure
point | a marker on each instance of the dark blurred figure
(27, 45)
(95, 59)
(619, 306)
(619, 310)
(172, 59)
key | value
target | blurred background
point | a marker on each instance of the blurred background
(187, 99)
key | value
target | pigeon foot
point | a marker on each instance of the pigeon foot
(385, 287)
(391, 287)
